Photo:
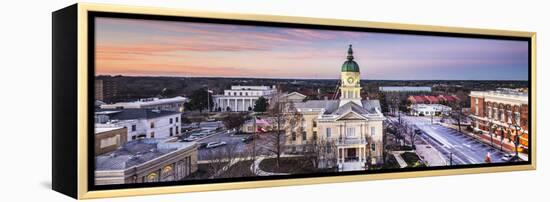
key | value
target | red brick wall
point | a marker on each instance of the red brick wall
(480, 104)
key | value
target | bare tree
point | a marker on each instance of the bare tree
(234, 120)
(221, 158)
(501, 138)
(412, 135)
(516, 125)
(285, 118)
(322, 152)
(457, 114)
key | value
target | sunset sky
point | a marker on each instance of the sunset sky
(165, 48)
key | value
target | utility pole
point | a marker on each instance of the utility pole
(208, 100)
(254, 142)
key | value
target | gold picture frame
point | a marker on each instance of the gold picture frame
(79, 186)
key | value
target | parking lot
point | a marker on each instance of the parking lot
(463, 148)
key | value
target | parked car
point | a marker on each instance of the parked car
(190, 138)
(215, 144)
(507, 157)
(203, 145)
(247, 139)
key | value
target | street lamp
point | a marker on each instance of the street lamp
(492, 128)
(451, 159)
(518, 130)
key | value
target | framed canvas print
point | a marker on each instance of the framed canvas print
(152, 101)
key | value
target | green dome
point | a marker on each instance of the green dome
(350, 65)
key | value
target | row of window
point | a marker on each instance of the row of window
(171, 120)
(500, 114)
(152, 134)
(183, 168)
(350, 132)
(241, 93)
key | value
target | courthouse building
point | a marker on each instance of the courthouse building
(502, 110)
(241, 98)
(348, 131)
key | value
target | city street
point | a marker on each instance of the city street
(234, 144)
(464, 149)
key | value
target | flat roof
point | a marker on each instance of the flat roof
(105, 129)
(127, 114)
(138, 152)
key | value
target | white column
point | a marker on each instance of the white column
(226, 104)
(235, 104)
(360, 154)
(244, 109)
(363, 153)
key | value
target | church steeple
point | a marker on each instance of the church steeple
(350, 89)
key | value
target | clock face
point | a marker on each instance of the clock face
(350, 80)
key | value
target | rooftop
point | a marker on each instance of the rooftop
(405, 88)
(332, 106)
(503, 94)
(128, 114)
(145, 102)
(252, 88)
(138, 152)
(105, 129)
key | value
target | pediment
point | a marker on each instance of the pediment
(351, 116)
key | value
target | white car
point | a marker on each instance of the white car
(215, 144)
(507, 157)
(191, 138)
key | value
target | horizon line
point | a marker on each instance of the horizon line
(229, 77)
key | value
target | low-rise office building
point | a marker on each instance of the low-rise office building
(140, 123)
(147, 160)
(167, 104)
(430, 110)
(503, 112)
(109, 139)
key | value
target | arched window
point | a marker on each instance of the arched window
(153, 177)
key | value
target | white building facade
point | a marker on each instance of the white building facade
(241, 98)
(430, 110)
(141, 123)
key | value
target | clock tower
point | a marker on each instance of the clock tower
(350, 88)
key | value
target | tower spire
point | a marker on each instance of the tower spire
(350, 53)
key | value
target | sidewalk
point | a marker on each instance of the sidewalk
(255, 168)
(507, 145)
(399, 159)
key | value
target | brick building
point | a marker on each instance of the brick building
(499, 112)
